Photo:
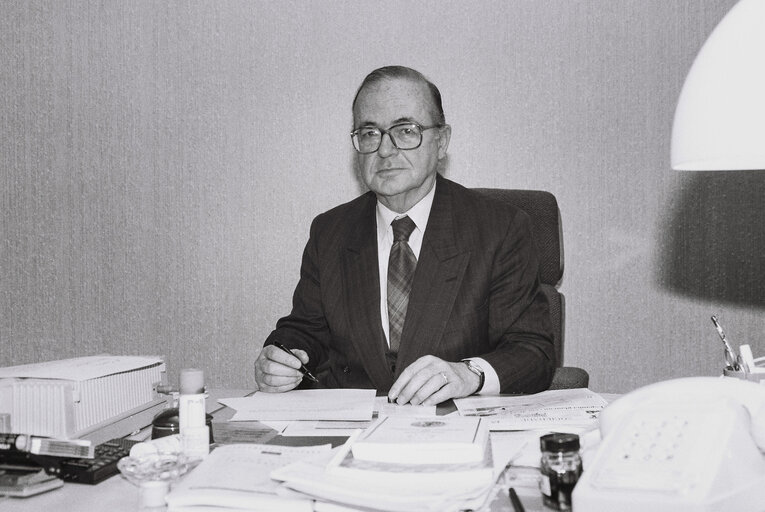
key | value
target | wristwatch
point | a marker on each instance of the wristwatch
(478, 371)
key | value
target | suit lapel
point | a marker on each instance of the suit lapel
(437, 280)
(362, 289)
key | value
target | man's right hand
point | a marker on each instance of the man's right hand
(277, 371)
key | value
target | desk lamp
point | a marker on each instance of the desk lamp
(719, 122)
(720, 117)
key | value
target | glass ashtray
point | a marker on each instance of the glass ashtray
(163, 467)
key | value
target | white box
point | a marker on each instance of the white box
(67, 398)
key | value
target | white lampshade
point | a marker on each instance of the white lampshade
(720, 117)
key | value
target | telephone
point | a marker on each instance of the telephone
(683, 445)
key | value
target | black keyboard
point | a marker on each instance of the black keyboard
(98, 469)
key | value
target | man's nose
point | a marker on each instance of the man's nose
(386, 149)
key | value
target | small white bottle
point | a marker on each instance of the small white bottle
(195, 434)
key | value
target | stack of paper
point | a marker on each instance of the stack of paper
(236, 477)
(408, 465)
(323, 413)
(421, 478)
(307, 404)
(260, 478)
(391, 487)
(423, 440)
(398, 464)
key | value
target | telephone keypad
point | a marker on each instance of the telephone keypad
(660, 452)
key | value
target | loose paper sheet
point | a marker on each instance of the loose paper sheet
(382, 408)
(305, 404)
(237, 476)
(324, 428)
(233, 432)
(579, 407)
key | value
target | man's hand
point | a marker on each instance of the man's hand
(430, 381)
(277, 371)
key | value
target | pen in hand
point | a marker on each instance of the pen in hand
(303, 369)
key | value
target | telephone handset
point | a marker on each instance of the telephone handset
(690, 444)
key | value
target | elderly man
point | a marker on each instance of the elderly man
(420, 288)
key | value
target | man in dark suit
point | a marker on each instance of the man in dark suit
(442, 303)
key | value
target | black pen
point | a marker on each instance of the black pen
(515, 500)
(303, 369)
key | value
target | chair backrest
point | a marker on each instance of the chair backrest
(542, 208)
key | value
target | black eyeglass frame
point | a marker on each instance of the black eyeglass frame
(355, 133)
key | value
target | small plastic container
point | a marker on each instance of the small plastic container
(167, 423)
(560, 467)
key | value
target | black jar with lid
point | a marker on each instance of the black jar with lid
(167, 423)
(560, 468)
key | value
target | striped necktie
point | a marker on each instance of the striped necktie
(401, 265)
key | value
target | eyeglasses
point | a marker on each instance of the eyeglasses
(403, 136)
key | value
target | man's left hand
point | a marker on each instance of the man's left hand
(430, 381)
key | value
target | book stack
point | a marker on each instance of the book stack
(402, 464)
(423, 440)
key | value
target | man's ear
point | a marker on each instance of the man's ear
(444, 134)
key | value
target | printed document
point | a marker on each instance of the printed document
(305, 404)
(572, 407)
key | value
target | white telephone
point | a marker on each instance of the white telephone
(690, 444)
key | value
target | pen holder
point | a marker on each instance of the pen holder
(757, 375)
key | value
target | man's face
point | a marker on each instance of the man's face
(400, 178)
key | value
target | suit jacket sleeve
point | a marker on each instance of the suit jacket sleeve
(519, 326)
(306, 326)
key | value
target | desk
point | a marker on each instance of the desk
(118, 495)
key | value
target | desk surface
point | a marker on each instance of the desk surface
(118, 495)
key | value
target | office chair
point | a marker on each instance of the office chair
(542, 208)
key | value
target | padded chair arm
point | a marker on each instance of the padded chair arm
(568, 377)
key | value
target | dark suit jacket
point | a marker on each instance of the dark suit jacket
(475, 294)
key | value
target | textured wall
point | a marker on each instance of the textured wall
(160, 163)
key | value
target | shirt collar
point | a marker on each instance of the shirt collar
(419, 213)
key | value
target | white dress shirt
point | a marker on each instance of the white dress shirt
(419, 213)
